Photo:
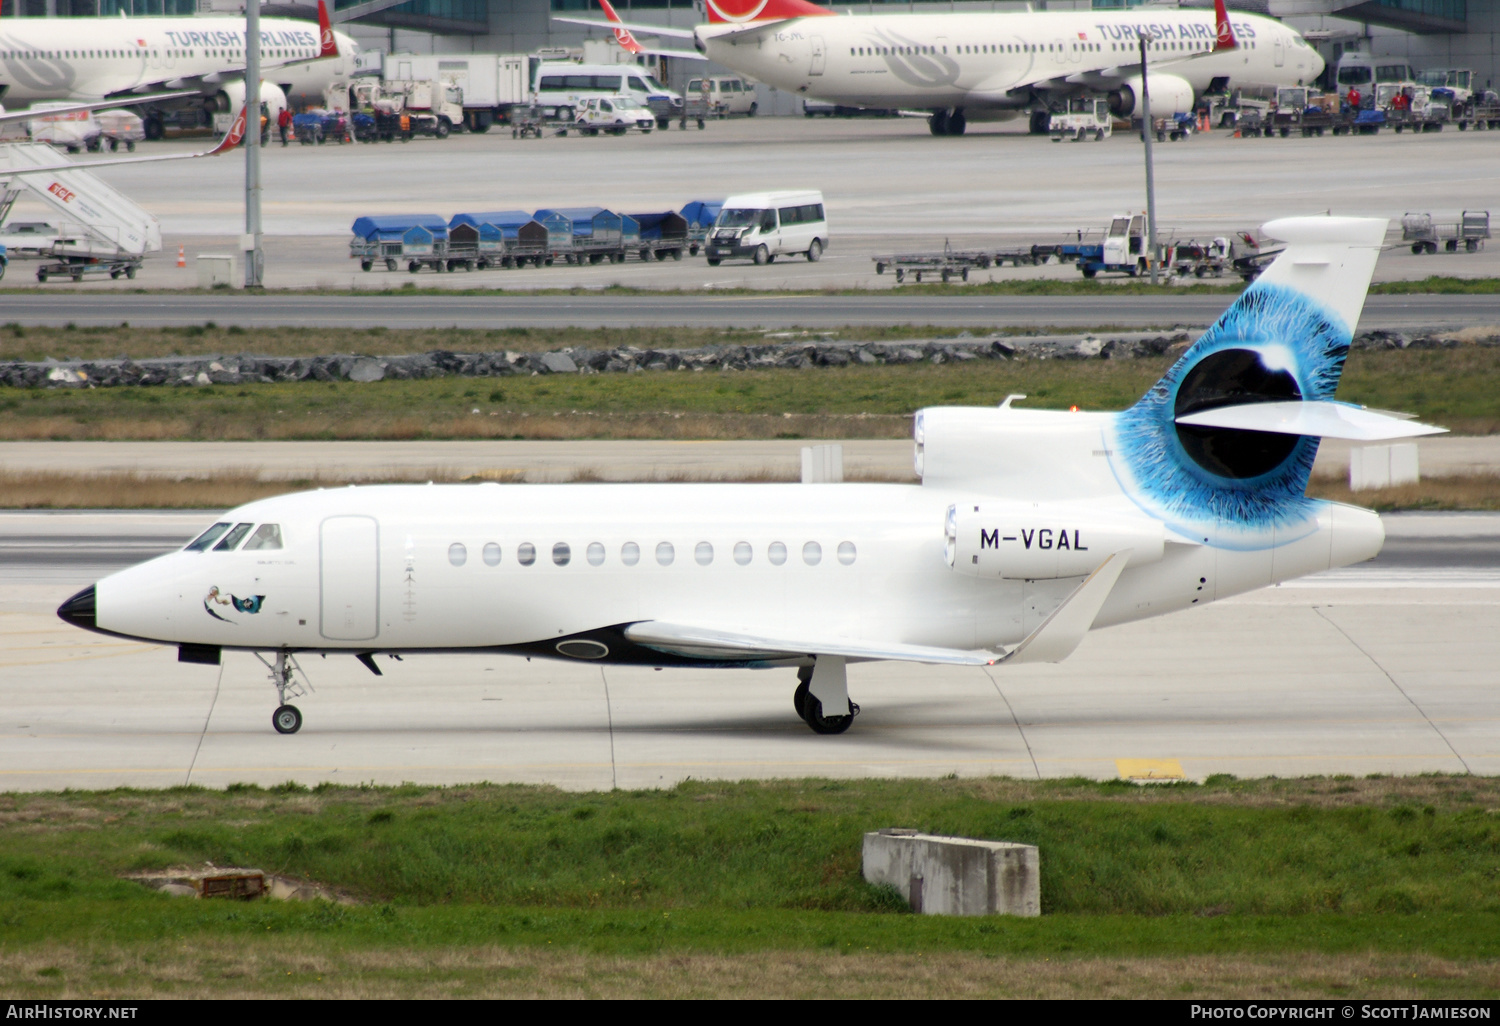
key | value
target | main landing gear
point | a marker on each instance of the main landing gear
(947, 122)
(822, 696)
(287, 719)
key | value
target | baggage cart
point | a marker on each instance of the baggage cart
(698, 110)
(947, 265)
(700, 216)
(1424, 234)
(1200, 259)
(416, 240)
(659, 235)
(594, 234)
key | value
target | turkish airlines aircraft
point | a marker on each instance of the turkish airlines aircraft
(112, 58)
(990, 66)
(1029, 527)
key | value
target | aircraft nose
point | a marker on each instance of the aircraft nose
(79, 610)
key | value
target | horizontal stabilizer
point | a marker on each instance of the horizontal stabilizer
(712, 643)
(1061, 633)
(1314, 419)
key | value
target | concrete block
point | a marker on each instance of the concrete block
(822, 464)
(216, 270)
(1381, 466)
(956, 876)
(1404, 464)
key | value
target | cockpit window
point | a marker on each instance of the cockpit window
(266, 536)
(233, 538)
(207, 538)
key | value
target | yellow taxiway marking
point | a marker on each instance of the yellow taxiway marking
(1150, 769)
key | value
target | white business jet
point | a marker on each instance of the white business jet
(1028, 528)
(117, 59)
(989, 66)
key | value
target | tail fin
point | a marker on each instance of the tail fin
(327, 41)
(1282, 342)
(622, 34)
(1223, 31)
(742, 12)
(232, 137)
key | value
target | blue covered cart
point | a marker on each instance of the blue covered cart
(700, 216)
(415, 239)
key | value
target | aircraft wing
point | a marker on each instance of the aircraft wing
(1316, 419)
(713, 643)
(119, 101)
(231, 139)
(654, 30)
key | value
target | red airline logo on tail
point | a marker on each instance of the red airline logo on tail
(233, 136)
(1224, 33)
(622, 34)
(330, 45)
(739, 12)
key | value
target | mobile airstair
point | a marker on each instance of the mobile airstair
(99, 230)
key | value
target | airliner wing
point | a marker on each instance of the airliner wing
(712, 643)
(654, 30)
(119, 101)
(230, 141)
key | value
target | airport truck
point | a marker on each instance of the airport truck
(490, 85)
(1085, 118)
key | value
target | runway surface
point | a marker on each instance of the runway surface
(1386, 667)
(1388, 313)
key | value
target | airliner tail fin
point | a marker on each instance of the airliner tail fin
(742, 12)
(327, 41)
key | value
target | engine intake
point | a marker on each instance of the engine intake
(1170, 94)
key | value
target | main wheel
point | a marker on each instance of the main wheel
(815, 251)
(762, 255)
(413, 267)
(287, 719)
(365, 265)
(799, 700)
(714, 261)
(813, 715)
(130, 273)
(390, 263)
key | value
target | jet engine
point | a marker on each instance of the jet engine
(1170, 95)
(231, 96)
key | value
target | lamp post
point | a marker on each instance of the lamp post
(251, 241)
(1146, 39)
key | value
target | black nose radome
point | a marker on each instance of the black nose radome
(79, 610)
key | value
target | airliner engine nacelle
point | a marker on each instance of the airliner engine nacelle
(1169, 95)
(1040, 543)
(231, 97)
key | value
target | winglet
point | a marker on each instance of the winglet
(1223, 31)
(327, 40)
(622, 34)
(1060, 633)
(232, 137)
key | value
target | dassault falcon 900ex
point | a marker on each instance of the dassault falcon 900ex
(1028, 528)
(988, 65)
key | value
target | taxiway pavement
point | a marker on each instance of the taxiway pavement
(1383, 668)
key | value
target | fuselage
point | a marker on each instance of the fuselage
(998, 61)
(462, 567)
(94, 58)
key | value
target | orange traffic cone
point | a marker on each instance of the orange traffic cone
(181, 256)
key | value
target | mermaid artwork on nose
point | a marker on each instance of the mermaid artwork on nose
(250, 604)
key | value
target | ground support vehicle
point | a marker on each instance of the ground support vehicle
(1252, 124)
(1085, 118)
(4, 261)
(1122, 250)
(700, 216)
(594, 234)
(120, 127)
(1483, 112)
(659, 235)
(1369, 122)
(1468, 233)
(765, 225)
(67, 262)
(614, 115)
(1174, 127)
(1202, 260)
(535, 121)
(698, 110)
(308, 128)
(416, 240)
(1023, 255)
(482, 88)
(1286, 114)
(947, 265)
(1252, 256)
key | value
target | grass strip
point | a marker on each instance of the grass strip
(1457, 388)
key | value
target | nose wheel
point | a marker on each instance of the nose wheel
(287, 719)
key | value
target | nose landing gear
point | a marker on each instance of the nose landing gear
(287, 719)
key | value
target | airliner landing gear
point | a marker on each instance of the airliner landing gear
(938, 122)
(947, 122)
(824, 686)
(287, 719)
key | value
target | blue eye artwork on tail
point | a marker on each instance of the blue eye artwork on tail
(1235, 487)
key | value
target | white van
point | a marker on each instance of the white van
(729, 94)
(562, 84)
(765, 225)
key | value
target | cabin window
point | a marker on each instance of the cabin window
(630, 553)
(595, 554)
(812, 553)
(703, 552)
(847, 554)
(233, 538)
(457, 554)
(491, 554)
(526, 554)
(207, 538)
(665, 553)
(743, 553)
(561, 554)
(776, 553)
(266, 536)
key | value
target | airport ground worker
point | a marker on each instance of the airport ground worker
(284, 124)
